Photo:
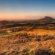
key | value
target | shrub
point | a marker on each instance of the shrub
(25, 52)
(43, 52)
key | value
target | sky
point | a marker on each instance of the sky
(26, 9)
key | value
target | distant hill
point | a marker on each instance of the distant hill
(43, 21)
(47, 20)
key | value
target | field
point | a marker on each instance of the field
(34, 37)
(27, 41)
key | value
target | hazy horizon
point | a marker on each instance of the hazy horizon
(26, 9)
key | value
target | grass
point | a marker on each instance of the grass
(27, 42)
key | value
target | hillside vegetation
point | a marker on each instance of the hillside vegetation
(28, 38)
